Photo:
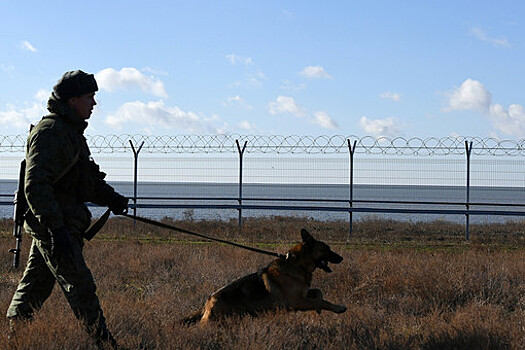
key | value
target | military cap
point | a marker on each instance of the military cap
(73, 84)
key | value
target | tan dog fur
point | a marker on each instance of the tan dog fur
(283, 284)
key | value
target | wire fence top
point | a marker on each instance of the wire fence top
(291, 144)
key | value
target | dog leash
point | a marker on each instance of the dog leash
(174, 228)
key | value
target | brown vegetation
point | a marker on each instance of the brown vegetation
(406, 285)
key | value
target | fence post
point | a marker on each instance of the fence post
(468, 151)
(241, 153)
(351, 149)
(135, 182)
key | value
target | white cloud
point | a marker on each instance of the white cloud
(286, 104)
(154, 71)
(129, 78)
(21, 117)
(471, 95)
(237, 101)
(511, 121)
(247, 126)
(155, 115)
(389, 95)
(251, 80)
(380, 127)
(323, 119)
(252, 76)
(255, 78)
(287, 85)
(26, 45)
(315, 72)
(234, 59)
(42, 96)
(481, 35)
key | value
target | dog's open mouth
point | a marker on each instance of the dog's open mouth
(323, 264)
(332, 258)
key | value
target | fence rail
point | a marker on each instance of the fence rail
(496, 164)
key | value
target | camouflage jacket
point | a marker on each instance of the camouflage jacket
(51, 148)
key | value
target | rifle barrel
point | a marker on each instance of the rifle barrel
(20, 208)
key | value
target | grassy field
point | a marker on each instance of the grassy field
(406, 285)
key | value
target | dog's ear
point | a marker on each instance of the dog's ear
(307, 237)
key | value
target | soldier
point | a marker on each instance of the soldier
(60, 177)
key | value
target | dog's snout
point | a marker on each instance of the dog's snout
(335, 258)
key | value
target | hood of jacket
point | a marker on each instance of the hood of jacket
(59, 108)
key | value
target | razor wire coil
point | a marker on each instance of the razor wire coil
(290, 144)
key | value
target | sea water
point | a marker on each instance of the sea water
(188, 195)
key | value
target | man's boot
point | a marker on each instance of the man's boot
(15, 323)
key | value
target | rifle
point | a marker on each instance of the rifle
(20, 210)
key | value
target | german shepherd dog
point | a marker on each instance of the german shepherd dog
(283, 284)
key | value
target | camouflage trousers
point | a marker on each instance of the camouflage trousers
(74, 278)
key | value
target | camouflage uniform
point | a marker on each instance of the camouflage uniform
(52, 146)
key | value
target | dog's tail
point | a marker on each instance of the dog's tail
(192, 319)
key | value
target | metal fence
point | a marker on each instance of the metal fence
(334, 177)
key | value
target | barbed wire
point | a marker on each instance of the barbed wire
(291, 144)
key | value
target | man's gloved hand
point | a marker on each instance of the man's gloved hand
(118, 205)
(62, 245)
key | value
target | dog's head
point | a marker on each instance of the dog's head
(318, 251)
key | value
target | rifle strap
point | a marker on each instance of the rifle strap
(61, 175)
(99, 223)
(68, 168)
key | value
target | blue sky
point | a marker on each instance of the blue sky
(379, 68)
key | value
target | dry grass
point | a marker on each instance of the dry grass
(406, 285)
